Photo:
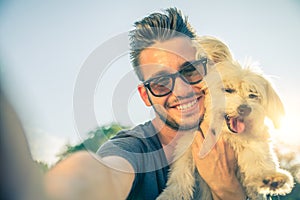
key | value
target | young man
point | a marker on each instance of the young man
(135, 163)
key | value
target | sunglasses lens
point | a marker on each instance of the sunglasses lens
(193, 73)
(161, 86)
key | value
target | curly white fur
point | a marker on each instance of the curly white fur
(237, 102)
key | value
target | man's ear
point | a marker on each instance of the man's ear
(144, 94)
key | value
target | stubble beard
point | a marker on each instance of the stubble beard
(170, 122)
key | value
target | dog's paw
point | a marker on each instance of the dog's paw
(274, 182)
(278, 183)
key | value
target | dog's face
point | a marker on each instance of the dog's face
(240, 97)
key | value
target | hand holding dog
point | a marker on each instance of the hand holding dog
(218, 169)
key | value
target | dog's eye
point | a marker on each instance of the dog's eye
(229, 90)
(253, 96)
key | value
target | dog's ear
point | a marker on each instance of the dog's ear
(275, 108)
(216, 50)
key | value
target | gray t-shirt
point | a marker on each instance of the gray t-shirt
(142, 148)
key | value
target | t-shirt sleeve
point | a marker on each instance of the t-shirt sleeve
(127, 148)
(142, 149)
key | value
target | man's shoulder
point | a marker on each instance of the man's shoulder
(140, 146)
(141, 138)
(142, 131)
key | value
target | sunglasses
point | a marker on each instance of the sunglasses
(190, 72)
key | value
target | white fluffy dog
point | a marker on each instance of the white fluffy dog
(237, 102)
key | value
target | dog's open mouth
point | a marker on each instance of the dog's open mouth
(235, 124)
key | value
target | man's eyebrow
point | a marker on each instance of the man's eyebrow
(164, 72)
(187, 63)
(159, 73)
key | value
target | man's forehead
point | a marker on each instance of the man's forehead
(167, 56)
(171, 50)
(164, 57)
(178, 46)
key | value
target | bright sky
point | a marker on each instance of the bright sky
(46, 45)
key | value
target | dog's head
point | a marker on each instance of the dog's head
(237, 99)
(242, 97)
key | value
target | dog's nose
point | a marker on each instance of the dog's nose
(244, 110)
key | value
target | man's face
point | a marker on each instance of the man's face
(184, 106)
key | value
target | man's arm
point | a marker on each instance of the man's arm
(82, 176)
(218, 168)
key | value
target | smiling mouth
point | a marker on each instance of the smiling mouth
(188, 105)
(235, 124)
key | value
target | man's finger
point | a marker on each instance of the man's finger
(207, 145)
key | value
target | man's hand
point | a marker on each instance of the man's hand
(218, 168)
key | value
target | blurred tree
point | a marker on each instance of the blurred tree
(93, 142)
(44, 167)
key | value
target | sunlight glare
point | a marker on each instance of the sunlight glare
(289, 130)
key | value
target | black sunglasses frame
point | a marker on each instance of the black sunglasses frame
(203, 61)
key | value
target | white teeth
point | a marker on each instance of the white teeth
(187, 105)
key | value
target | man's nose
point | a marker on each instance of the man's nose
(181, 88)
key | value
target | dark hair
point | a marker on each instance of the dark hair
(157, 27)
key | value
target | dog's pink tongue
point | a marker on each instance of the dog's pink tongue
(237, 125)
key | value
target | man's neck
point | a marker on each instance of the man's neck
(166, 134)
(168, 137)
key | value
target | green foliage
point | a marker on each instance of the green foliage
(43, 167)
(93, 142)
